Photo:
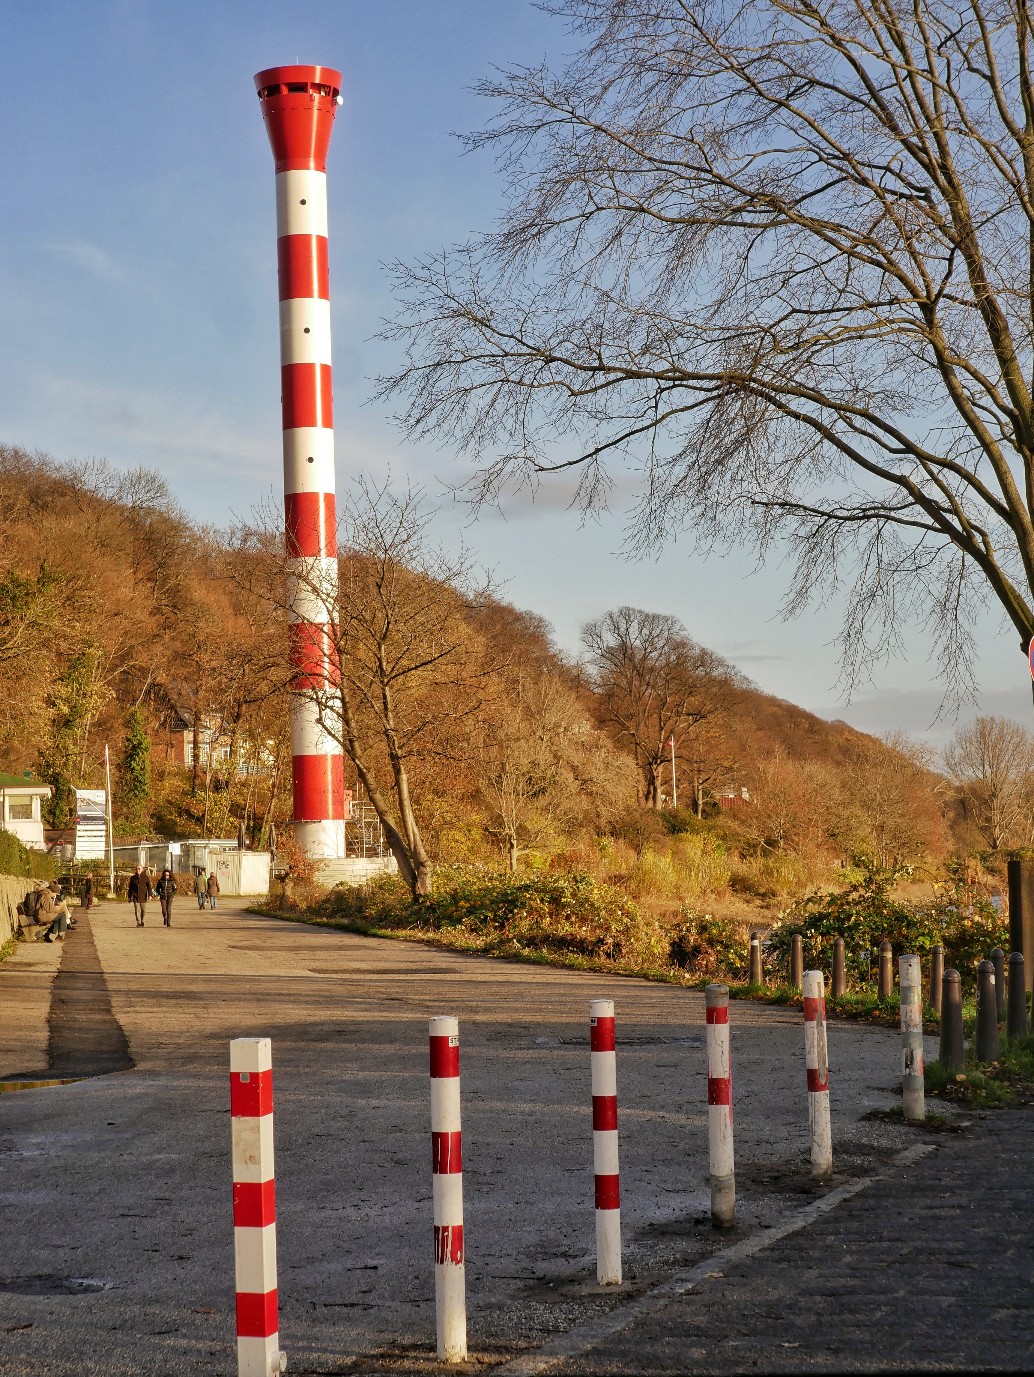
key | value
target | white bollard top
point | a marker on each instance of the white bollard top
(814, 985)
(444, 1026)
(601, 1008)
(251, 1054)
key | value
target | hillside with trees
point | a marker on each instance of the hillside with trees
(473, 738)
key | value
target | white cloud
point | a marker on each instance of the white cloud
(92, 259)
(108, 419)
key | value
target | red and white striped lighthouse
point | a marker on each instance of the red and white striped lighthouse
(298, 106)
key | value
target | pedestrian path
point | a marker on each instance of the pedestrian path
(932, 1267)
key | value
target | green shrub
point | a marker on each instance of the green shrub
(865, 913)
(708, 946)
(563, 913)
(17, 859)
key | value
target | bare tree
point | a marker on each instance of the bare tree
(777, 256)
(544, 771)
(992, 761)
(888, 802)
(654, 685)
(409, 664)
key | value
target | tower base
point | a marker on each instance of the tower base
(322, 840)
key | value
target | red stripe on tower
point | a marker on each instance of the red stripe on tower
(298, 105)
(254, 1207)
(303, 266)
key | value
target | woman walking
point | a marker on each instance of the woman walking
(213, 889)
(165, 889)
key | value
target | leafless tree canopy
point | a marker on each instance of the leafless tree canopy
(776, 258)
(654, 686)
(992, 761)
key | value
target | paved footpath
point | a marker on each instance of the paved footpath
(931, 1268)
(116, 1252)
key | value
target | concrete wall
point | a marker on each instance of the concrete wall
(12, 891)
(355, 870)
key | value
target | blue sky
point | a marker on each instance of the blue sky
(138, 297)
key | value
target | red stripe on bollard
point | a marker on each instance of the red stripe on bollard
(251, 1094)
(254, 1204)
(256, 1314)
(718, 1014)
(719, 1090)
(448, 1244)
(446, 1152)
(608, 1192)
(445, 1057)
(604, 1112)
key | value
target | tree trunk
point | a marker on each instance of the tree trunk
(195, 764)
(511, 853)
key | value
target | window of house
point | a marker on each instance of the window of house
(19, 812)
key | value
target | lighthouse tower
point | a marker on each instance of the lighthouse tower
(298, 106)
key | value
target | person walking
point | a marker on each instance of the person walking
(165, 889)
(139, 892)
(201, 888)
(213, 889)
(88, 894)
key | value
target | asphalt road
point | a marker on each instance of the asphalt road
(117, 1239)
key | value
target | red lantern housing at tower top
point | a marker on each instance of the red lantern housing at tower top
(298, 105)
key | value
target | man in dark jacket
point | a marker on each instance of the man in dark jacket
(139, 892)
(165, 889)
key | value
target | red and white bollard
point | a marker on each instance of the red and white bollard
(817, 1060)
(254, 1208)
(719, 1108)
(605, 1141)
(447, 1191)
(913, 1077)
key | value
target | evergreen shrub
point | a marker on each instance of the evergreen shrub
(17, 859)
(866, 913)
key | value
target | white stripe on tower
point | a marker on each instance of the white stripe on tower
(298, 105)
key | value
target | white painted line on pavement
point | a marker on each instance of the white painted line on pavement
(578, 1341)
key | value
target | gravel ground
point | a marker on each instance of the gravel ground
(116, 1189)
